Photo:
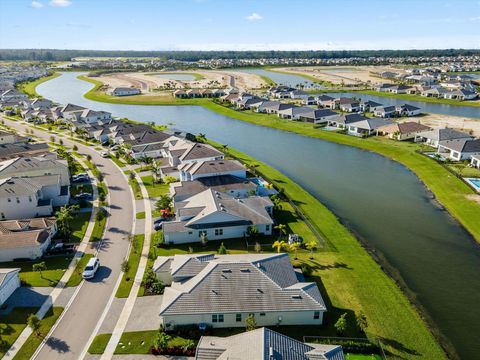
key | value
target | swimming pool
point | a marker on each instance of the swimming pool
(475, 182)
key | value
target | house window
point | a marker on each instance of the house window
(30, 198)
(262, 314)
(218, 232)
(238, 318)
(3, 216)
(18, 200)
(267, 227)
(190, 232)
(9, 200)
(217, 318)
(316, 315)
(200, 233)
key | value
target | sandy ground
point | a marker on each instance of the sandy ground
(348, 75)
(211, 79)
(455, 122)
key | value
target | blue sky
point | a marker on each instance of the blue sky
(239, 24)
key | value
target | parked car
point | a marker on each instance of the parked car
(83, 196)
(61, 248)
(104, 154)
(91, 268)
(114, 147)
(80, 177)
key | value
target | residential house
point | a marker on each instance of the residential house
(26, 238)
(346, 103)
(310, 100)
(9, 282)
(298, 94)
(350, 107)
(263, 344)
(125, 91)
(326, 101)
(218, 216)
(459, 149)
(190, 171)
(22, 198)
(91, 116)
(342, 121)
(220, 291)
(384, 87)
(407, 110)
(13, 95)
(294, 112)
(8, 137)
(385, 111)
(403, 131)
(31, 167)
(435, 136)
(9, 151)
(319, 116)
(277, 107)
(461, 94)
(475, 161)
(436, 92)
(262, 108)
(366, 127)
(369, 106)
(239, 187)
(402, 89)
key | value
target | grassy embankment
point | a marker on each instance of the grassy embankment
(29, 88)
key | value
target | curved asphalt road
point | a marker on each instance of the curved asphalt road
(74, 329)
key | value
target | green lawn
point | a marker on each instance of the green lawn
(137, 192)
(154, 190)
(56, 267)
(135, 342)
(141, 214)
(463, 170)
(98, 229)
(133, 259)
(34, 340)
(79, 226)
(349, 356)
(76, 277)
(12, 325)
(119, 162)
(99, 344)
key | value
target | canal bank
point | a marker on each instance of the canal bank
(380, 199)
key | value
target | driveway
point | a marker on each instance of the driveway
(72, 333)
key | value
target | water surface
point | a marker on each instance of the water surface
(382, 201)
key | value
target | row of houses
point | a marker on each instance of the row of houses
(446, 90)
(200, 93)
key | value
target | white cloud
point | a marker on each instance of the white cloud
(36, 5)
(254, 17)
(60, 3)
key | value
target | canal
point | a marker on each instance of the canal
(382, 201)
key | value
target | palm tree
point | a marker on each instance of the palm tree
(279, 245)
(225, 148)
(282, 230)
(252, 231)
(311, 245)
(201, 137)
(294, 247)
(64, 216)
(155, 170)
(252, 167)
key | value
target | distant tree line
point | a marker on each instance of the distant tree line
(68, 55)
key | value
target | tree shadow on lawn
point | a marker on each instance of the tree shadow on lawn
(399, 347)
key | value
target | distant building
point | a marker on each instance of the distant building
(124, 91)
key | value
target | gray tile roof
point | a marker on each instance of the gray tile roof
(463, 145)
(263, 344)
(242, 283)
(445, 134)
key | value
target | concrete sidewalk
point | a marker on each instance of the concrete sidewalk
(52, 299)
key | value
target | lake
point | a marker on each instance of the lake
(382, 201)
